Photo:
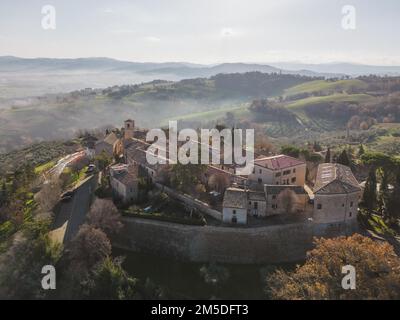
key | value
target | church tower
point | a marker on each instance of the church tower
(128, 129)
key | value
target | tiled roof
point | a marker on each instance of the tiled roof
(335, 178)
(277, 189)
(235, 198)
(111, 138)
(126, 174)
(278, 162)
(136, 152)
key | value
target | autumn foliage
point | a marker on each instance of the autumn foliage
(376, 264)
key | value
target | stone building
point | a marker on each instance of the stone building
(333, 204)
(278, 170)
(235, 206)
(129, 129)
(124, 182)
(336, 196)
(107, 144)
(281, 199)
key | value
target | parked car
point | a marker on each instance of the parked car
(67, 196)
(91, 168)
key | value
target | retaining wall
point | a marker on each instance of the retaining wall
(270, 244)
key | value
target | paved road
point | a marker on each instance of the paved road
(74, 211)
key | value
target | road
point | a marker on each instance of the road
(72, 214)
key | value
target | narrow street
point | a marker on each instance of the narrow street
(72, 214)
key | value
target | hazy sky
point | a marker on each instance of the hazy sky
(204, 31)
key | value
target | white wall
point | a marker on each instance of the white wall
(241, 215)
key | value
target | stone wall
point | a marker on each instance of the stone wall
(270, 244)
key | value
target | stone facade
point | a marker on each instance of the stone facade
(336, 195)
(124, 183)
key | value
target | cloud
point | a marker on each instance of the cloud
(152, 39)
(123, 31)
(108, 11)
(229, 32)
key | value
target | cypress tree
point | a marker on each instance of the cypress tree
(328, 156)
(393, 204)
(383, 194)
(369, 200)
(361, 150)
(344, 158)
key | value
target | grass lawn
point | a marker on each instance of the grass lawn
(44, 167)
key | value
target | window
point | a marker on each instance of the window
(293, 179)
(277, 174)
(274, 197)
(256, 205)
(273, 206)
(250, 203)
(319, 206)
(286, 172)
(342, 204)
(350, 214)
(294, 170)
(259, 180)
(260, 171)
(234, 220)
(234, 211)
(351, 204)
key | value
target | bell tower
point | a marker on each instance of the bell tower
(128, 128)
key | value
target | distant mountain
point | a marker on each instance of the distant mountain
(175, 69)
(350, 69)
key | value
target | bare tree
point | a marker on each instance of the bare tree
(104, 215)
(89, 247)
(288, 201)
(218, 182)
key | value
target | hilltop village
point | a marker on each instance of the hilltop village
(276, 191)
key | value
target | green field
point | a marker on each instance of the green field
(338, 97)
(211, 115)
(326, 85)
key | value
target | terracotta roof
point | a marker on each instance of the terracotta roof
(335, 178)
(235, 198)
(278, 162)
